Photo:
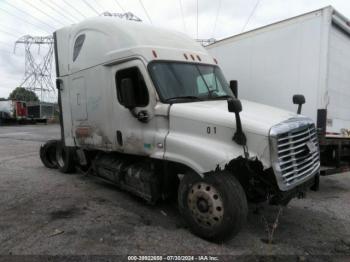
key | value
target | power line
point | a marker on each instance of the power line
(197, 19)
(6, 27)
(24, 20)
(36, 8)
(182, 16)
(76, 10)
(18, 17)
(144, 9)
(58, 11)
(5, 43)
(99, 5)
(251, 15)
(8, 33)
(216, 18)
(91, 7)
(120, 6)
(4, 51)
(65, 10)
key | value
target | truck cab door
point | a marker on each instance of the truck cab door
(136, 129)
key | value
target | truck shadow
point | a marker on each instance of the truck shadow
(163, 213)
(303, 227)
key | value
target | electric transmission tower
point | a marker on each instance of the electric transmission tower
(38, 68)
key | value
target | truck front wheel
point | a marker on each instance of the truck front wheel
(65, 158)
(215, 207)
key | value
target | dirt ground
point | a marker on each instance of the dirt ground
(45, 212)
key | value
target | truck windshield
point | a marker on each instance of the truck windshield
(187, 82)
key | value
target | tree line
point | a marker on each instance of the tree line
(22, 94)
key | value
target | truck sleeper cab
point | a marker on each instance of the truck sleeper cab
(150, 110)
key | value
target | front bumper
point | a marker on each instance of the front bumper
(283, 197)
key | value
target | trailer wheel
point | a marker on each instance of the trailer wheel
(48, 154)
(215, 207)
(65, 158)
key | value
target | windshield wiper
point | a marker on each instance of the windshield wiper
(220, 97)
(224, 96)
(183, 97)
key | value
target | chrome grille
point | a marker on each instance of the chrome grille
(294, 151)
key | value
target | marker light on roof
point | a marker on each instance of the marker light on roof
(216, 61)
(154, 54)
(186, 56)
(198, 57)
(192, 57)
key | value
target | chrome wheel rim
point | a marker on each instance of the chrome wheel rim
(205, 204)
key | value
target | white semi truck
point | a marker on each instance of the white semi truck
(308, 54)
(150, 110)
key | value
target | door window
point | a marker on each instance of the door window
(139, 85)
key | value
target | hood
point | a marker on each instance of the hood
(256, 118)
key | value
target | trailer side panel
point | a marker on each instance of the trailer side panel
(338, 91)
(273, 63)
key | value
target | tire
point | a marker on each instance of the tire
(48, 154)
(215, 207)
(65, 158)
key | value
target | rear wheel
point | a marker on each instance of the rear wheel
(65, 158)
(48, 154)
(214, 207)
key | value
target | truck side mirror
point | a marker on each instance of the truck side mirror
(127, 93)
(59, 84)
(299, 100)
(234, 87)
(235, 106)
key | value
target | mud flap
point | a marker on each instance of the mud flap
(316, 185)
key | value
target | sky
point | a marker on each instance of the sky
(216, 19)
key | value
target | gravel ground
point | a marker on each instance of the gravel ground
(45, 212)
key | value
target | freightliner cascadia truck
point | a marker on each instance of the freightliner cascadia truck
(149, 110)
(307, 54)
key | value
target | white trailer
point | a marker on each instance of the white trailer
(7, 108)
(308, 54)
(150, 110)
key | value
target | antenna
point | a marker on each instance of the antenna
(127, 16)
(205, 42)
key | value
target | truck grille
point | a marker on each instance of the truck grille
(295, 153)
